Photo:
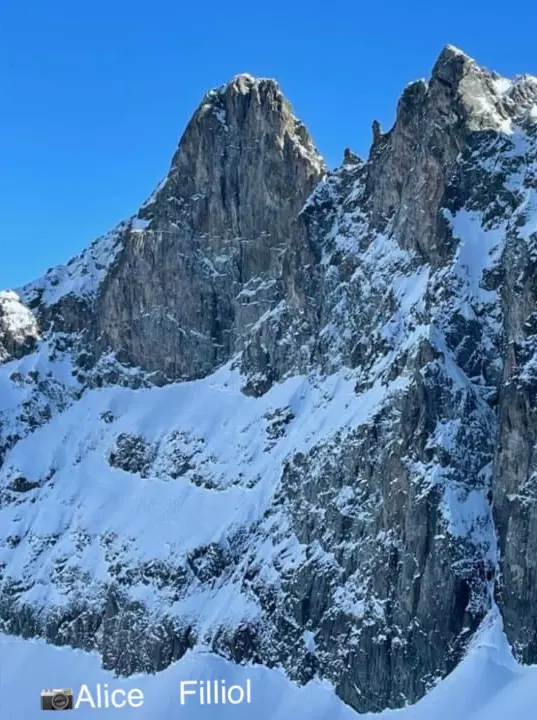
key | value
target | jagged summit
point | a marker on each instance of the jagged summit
(450, 61)
(240, 120)
(453, 50)
(243, 83)
(485, 99)
(265, 93)
(265, 90)
(243, 168)
(452, 54)
(214, 231)
(245, 119)
(459, 90)
(247, 78)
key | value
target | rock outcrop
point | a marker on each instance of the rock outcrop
(18, 327)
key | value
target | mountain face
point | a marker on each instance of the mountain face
(286, 413)
(200, 263)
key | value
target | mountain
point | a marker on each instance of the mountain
(286, 414)
(487, 685)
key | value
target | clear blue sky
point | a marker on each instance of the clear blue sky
(95, 94)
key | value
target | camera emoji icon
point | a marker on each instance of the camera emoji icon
(57, 699)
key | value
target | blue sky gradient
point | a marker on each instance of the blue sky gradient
(95, 95)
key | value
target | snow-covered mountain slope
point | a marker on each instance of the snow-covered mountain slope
(275, 411)
(487, 685)
(81, 276)
(179, 468)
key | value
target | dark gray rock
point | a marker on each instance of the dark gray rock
(184, 290)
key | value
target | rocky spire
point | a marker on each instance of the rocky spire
(242, 134)
(450, 65)
(436, 121)
(202, 263)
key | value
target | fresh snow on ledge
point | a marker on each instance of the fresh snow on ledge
(81, 276)
(15, 317)
(226, 432)
(487, 685)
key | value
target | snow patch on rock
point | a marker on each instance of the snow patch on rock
(81, 276)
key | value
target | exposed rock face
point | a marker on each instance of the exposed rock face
(371, 440)
(515, 468)
(201, 262)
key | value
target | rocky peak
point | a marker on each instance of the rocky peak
(437, 122)
(451, 65)
(473, 93)
(245, 89)
(485, 100)
(237, 125)
(201, 262)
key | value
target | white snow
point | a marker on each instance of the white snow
(487, 685)
(38, 385)
(457, 51)
(81, 276)
(153, 197)
(221, 116)
(464, 511)
(410, 289)
(15, 318)
(527, 211)
(158, 517)
(244, 81)
(477, 250)
(309, 640)
(484, 104)
(138, 224)
(502, 85)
